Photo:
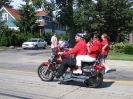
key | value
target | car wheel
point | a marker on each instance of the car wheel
(36, 47)
(44, 47)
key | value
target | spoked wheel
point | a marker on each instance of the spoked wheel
(43, 74)
(95, 81)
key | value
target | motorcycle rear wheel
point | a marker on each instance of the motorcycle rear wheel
(95, 81)
(48, 76)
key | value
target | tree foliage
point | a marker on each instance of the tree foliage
(27, 20)
(113, 17)
(118, 16)
(5, 3)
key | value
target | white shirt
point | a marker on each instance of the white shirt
(61, 43)
(53, 41)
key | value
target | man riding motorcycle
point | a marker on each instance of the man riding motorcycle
(79, 49)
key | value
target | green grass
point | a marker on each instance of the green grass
(119, 56)
(3, 48)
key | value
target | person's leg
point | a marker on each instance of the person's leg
(103, 57)
(64, 65)
(80, 59)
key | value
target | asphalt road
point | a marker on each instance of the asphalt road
(19, 79)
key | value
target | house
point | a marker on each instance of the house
(46, 24)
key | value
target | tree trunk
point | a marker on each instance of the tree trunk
(72, 27)
(72, 36)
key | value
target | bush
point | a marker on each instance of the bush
(128, 49)
(118, 47)
(16, 38)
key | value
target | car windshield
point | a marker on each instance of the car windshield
(32, 40)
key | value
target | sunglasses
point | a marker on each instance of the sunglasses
(95, 37)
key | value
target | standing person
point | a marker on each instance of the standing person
(54, 41)
(93, 50)
(105, 51)
(79, 49)
(61, 41)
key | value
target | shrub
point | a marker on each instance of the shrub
(128, 49)
(118, 47)
(16, 38)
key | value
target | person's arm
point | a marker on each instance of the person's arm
(73, 50)
(95, 47)
(104, 47)
(88, 47)
(52, 40)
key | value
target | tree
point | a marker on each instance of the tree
(65, 10)
(27, 20)
(118, 16)
(113, 17)
(2, 22)
(5, 3)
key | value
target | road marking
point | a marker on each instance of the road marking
(105, 80)
(18, 71)
(118, 81)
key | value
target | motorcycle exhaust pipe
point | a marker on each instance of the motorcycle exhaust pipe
(80, 77)
(77, 78)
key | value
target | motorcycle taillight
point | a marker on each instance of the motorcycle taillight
(99, 67)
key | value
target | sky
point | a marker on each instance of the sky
(17, 3)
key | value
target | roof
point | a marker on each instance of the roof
(13, 12)
(15, 15)
(41, 13)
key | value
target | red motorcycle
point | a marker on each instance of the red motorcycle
(92, 72)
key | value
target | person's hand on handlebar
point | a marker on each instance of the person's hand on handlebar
(60, 53)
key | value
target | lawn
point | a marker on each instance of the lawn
(119, 56)
(3, 48)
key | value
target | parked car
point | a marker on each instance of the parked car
(35, 43)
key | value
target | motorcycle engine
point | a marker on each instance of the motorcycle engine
(89, 70)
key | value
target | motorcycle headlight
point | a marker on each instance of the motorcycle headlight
(52, 55)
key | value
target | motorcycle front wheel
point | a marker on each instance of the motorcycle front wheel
(45, 75)
(95, 81)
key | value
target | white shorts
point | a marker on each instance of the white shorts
(84, 58)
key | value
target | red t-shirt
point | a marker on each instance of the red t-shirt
(79, 49)
(95, 49)
(106, 51)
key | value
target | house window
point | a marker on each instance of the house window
(47, 18)
(5, 16)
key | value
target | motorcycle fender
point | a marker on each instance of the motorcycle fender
(45, 63)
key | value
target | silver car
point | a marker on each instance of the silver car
(34, 43)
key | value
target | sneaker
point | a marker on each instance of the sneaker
(107, 69)
(77, 71)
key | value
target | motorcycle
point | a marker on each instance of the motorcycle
(92, 72)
